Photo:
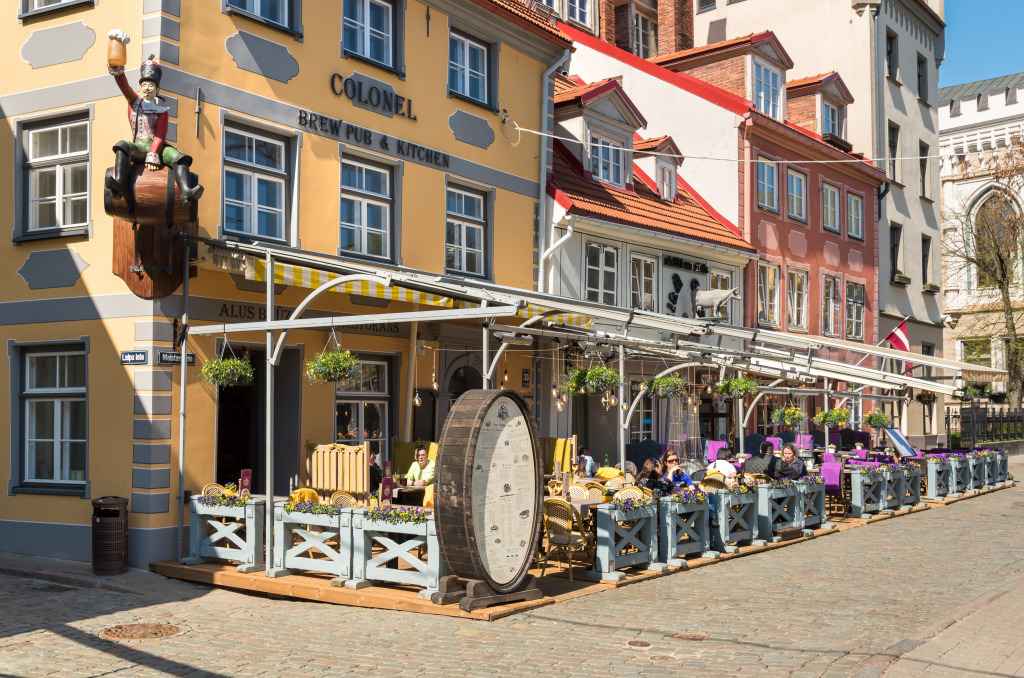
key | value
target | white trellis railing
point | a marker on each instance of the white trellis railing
(228, 533)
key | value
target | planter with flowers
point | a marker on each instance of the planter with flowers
(227, 527)
(734, 518)
(892, 490)
(1002, 467)
(667, 387)
(812, 506)
(978, 462)
(832, 417)
(992, 468)
(911, 471)
(627, 536)
(866, 486)
(331, 366)
(227, 372)
(778, 507)
(594, 380)
(959, 474)
(738, 387)
(400, 530)
(685, 518)
(937, 477)
(296, 540)
(788, 416)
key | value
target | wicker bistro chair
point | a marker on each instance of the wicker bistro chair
(615, 483)
(565, 533)
(630, 493)
(213, 490)
(648, 492)
(577, 493)
(554, 487)
(594, 490)
(343, 499)
(712, 482)
(630, 479)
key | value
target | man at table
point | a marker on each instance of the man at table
(421, 472)
(764, 462)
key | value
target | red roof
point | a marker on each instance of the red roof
(724, 45)
(819, 79)
(523, 14)
(642, 207)
(571, 89)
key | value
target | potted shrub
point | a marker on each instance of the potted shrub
(330, 366)
(739, 387)
(227, 372)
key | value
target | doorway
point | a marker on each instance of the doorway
(241, 425)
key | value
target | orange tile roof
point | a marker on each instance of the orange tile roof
(810, 80)
(524, 14)
(648, 144)
(567, 90)
(713, 47)
(642, 208)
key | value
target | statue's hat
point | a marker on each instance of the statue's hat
(150, 70)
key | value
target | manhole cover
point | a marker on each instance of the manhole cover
(691, 635)
(639, 643)
(139, 631)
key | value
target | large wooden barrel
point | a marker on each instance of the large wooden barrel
(488, 495)
(152, 200)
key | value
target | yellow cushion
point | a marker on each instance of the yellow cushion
(607, 473)
(428, 497)
(304, 494)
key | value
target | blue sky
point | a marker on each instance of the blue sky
(981, 41)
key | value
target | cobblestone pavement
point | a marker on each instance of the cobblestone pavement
(845, 604)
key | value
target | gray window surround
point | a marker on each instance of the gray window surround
(397, 43)
(25, 13)
(15, 353)
(396, 168)
(493, 54)
(490, 198)
(22, 126)
(294, 27)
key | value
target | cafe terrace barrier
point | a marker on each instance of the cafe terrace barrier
(398, 540)
(685, 530)
(892, 491)
(959, 476)
(938, 475)
(228, 533)
(1003, 468)
(812, 507)
(866, 487)
(978, 470)
(992, 469)
(911, 486)
(296, 541)
(778, 508)
(733, 520)
(329, 468)
(625, 539)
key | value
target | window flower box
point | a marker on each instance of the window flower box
(959, 474)
(733, 519)
(627, 536)
(778, 508)
(938, 473)
(866, 486)
(231, 531)
(385, 527)
(930, 288)
(296, 542)
(900, 279)
(685, 527)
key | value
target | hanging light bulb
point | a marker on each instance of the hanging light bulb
(689, 400)
(433, 380)
(565, 397)
(559, 406)
(554, 390)
(506, 376)
(695, 409)
(612, 400)
(625, 407)
(417, 400)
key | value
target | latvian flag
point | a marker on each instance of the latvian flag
(900, 340)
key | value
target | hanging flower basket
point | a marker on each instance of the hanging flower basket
(667, 387)
(331, 366)
(739, 387)
(227, 372)
(788, 416)
(876, 419)
(832, 417)
(595, 379)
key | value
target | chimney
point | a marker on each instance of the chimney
(675, 26)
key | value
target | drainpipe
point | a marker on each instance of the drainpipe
(410, 383)
(181, 403)
(549, 252)
(749, 193)
(546, 104)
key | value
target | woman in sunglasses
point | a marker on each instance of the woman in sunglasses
(673, 471)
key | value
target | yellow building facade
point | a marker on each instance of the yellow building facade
(382, 133)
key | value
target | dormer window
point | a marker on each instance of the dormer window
(667, 185)
(831, 119)
(579, 11)
(606, 161)
(767, 90)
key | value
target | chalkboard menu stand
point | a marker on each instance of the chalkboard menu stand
(473, 594)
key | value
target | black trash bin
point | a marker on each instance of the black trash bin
(109, 535)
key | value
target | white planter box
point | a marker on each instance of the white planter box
(227, 533)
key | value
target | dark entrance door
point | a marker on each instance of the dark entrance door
(241, 425)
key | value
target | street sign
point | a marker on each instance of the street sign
(174, 358)
(134, 357)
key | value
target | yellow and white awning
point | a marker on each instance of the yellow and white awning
(534, 310)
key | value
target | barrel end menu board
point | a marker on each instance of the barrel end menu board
(488, 494)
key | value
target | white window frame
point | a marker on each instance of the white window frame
(855, 310)
(830, 208)
(459, 73)
(364, 32)
(796, 298)
(364, 199)
(638, 430)
(602, 294)
(459, 225)
(645, 42)
(61, 396)
(767, 296)
(796, 202)
(607, 159)
(831, 305)
(767, 183)
(831, 119)
(644, 278)
(254, 7)
(254, 173)
(768, 90)
(719, 279)
(579, 11)
(668, 182)
(855, 216)
(706, 5)
(59, 164)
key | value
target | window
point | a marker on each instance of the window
(720, 280)
(704, 5)
(767, 90)
(368, 30)
(982, 102)
(30, 7)
(976, 352)
(892, 61)
(606, 161)
(667, 183)
(926, 258)
(467, 67)
(928, 408)
(929, 350)
(274, 11)
(830, 122)
(796, 298)
(579, 11)
(768, 293)
(645, 43)
(830, 208)
(895, 235)
(854, 311)
(642, 276)
(57, 176)
(641, 425)
(894, 149)
(996, 257)
(796, 195)
(923, 165)
(255, 183)
(464, 232)
(366, 202)
(361, 408)
(830, 301)
(602, 268)
(854, 216)
(55, 434)
(767, 177)
(922, 78)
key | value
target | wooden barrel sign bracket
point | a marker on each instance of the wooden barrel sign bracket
(488, 500)
(147, 222)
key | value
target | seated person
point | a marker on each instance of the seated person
(723, 467)
(764, 462)
(792, 466)
(376, 475)
(586, 467)
(651, 478)
(673, 471)
(421, 473)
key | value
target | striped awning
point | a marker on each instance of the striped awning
(987, 376)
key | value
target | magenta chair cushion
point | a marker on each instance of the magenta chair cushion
(830, 458)
(832, 473)
(858, 462)
(862, 454)
(805, 441)
(714, 446)
(776, 443)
